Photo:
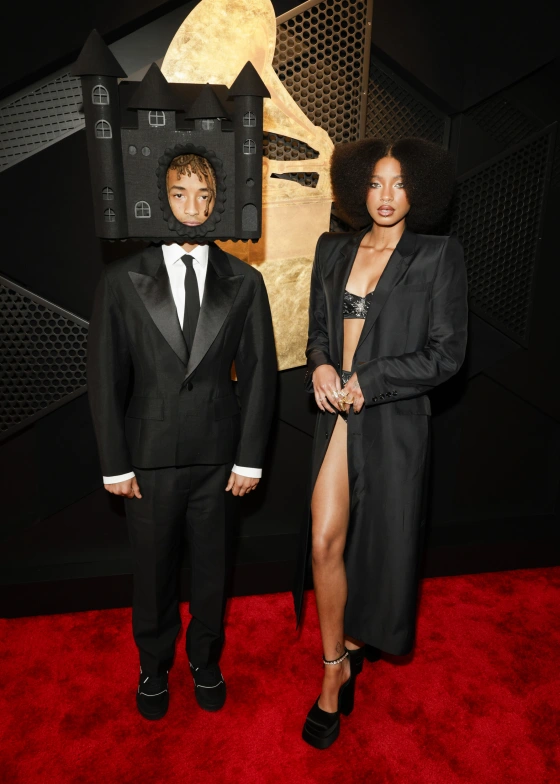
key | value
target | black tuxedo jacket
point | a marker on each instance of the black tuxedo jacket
(153, 405)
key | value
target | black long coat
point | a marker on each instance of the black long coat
(414, 338)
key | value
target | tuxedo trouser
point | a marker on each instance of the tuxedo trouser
(180, 501)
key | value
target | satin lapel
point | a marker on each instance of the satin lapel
(340, 274)
(220, 290)
(155, 292)
(393, 272)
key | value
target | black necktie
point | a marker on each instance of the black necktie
(192, 302)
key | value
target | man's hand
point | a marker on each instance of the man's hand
(129, 488)
(354, 393)
(240, 485)
(326, 386)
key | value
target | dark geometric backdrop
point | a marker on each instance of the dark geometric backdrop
(496, 433)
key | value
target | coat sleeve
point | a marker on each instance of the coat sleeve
(256, 368)
(108, 369)
(317, 350)
(386, 379)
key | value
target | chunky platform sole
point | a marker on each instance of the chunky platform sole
(209, 708)
(154, 715)
(320, 741)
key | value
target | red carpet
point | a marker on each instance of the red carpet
(479, 702)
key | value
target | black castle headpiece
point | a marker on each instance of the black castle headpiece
(135, 129)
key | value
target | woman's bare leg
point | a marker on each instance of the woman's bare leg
(330, 508)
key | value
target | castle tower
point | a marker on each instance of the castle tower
(248, 92)
(206, 109)
(99, 72)
(155, 101)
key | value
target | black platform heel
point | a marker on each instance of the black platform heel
(321, 728)
(358, 655)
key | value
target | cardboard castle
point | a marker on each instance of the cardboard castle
(135, 129)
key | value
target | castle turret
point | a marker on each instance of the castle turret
(248, 92)
(99, 72)
(206, 109)
(155, 101)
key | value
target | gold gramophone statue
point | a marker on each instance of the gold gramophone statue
(211, 46)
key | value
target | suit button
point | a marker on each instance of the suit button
(190, 386)
(394, 391)
(374, 399)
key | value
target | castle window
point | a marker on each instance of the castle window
(208, 125)
(103, 130)
(156, 118)
(249, 218)
(142, 210)
(108, 194)
(100, 95)
(249, 120)
(110, 216)
(249, 147)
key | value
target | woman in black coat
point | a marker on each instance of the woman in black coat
(387, 323)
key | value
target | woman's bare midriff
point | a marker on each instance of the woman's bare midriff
(367, 269)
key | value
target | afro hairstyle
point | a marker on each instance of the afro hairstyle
(427, 171)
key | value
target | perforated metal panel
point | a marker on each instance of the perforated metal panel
(503, 121)
(321, 52)
(497, 217)
(283, 148)
(555, 177)
(395, 110)
(42, 357)
(39, 118)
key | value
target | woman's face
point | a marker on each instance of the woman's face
(386, 201)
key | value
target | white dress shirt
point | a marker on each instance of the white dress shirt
(176, 270)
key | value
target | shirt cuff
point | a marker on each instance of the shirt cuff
(254, 473)
(111, 480)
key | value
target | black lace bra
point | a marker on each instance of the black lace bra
(354, 307)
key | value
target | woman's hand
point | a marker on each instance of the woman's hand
(326, 386)
(354, 394)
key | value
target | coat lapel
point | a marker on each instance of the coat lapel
(154, 289)
(393, 272)
(220, 290)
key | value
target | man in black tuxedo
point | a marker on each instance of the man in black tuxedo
(167, 325)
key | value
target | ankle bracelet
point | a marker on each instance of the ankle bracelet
(337, 661)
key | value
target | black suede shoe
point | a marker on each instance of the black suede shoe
(209, 687)
(152, 697)
(321, 729)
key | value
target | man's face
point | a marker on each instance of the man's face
(189, 197)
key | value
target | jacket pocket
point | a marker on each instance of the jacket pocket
(145, 408)
(225, 407)
(414, 405)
